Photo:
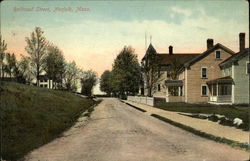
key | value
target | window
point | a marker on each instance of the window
(45, 85)
(168, 75)
(203, 72)
(217, 54)
(204, 90)
(41, 80)
(159, 73)
(159, 87)
(41, 85)
(247, 67)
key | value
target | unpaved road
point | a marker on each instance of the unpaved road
(118, 132)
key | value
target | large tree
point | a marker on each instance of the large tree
(105, 82)
(126, 72)
(151, 68)
(36, 48)
(70, 75)
(3, 48)
(54, 64)
(88, 81)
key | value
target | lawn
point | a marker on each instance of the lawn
(32, 116)
(230, 111)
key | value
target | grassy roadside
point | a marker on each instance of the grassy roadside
(230, 111)
(32, 116)
(203, 134)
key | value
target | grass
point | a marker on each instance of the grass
(32, 116)
(230, 111)
(203, 134)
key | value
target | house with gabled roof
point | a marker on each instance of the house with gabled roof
(195, 73)
(233, 86)
(166, 60)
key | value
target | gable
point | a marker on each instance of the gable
(234, 58)
(208, 52)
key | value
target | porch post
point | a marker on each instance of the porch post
(212, 90)
(167, 99)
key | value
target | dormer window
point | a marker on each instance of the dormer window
(217, 54)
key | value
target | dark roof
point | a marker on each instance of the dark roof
(235, 57)
(181, 58)
(43, 77)
(150, 50)
(205, 53)
(226, 79)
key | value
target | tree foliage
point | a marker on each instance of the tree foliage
(25, 70)
(88, 81)
(54, 64)
(105, 85)
(125, 77)
(36, 48)
(3, 48)
(70, 75)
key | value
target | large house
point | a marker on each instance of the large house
(233, 86)
(218, 75)
(166, 60)
(194, 74)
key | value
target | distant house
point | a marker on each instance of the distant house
(166, 60)
(233, 86)
(45, 82)
(194, 74)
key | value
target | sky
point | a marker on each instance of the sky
(92, 33)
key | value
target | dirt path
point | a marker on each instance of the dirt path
(117, 132)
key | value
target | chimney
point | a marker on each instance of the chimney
(242, 41)
(170, 50)
(210, 43)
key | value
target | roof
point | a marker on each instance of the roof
(150, 50)
(43, 77)
(205, 53)
(167, 58)
(226, 79)
(181, 58)
(235, 57)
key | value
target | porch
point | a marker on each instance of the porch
(221, 90)
(174, 91)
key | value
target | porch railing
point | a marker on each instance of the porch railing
(221, 98)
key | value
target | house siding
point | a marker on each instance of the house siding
(241, 80)
(194, 81)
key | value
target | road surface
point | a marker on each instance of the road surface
(118, 132)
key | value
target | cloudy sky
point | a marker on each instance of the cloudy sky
(94, 36)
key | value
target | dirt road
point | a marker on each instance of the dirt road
(118, 132)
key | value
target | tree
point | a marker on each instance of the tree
(25, 70)
(36, 48)
(70, 75)
(54, 64)
(173, 69)
(151, 69)
(88, 81)
(105, 82)
(3, 48)
(10, 66)
(126, 73)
